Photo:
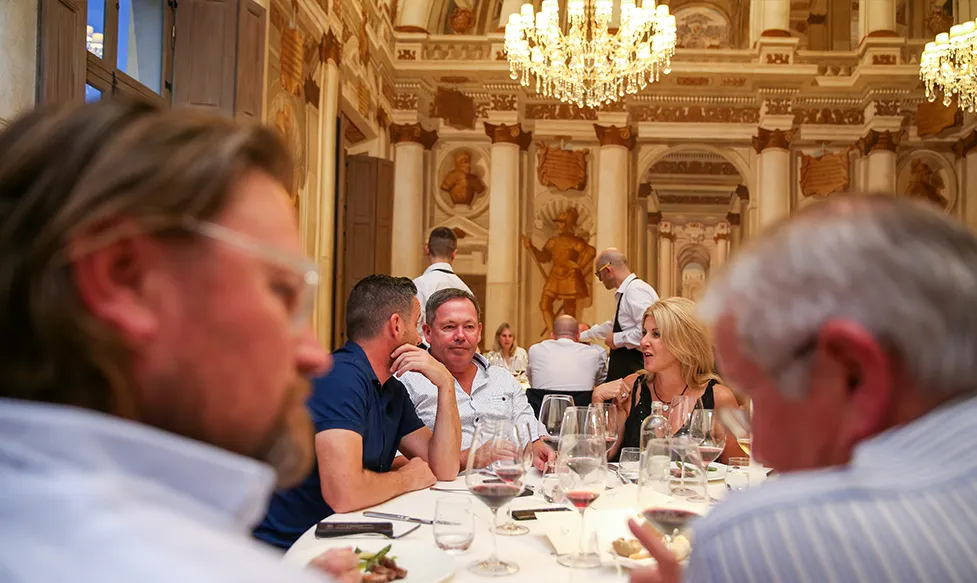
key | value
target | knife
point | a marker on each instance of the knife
(400, 517)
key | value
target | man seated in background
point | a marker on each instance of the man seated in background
(483, 391)
(852, 328)
(363, 414)
(564, 366)
(441, 248)
(155, 303)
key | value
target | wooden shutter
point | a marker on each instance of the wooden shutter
(252, 19)
(384, 216)
(204, 60)
(63, 54)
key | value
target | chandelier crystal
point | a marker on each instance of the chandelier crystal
(948, 65)
(588, 64)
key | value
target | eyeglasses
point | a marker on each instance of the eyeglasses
(300, 310)
(600, 269)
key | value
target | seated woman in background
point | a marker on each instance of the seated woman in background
(678, 360)
(507, 354)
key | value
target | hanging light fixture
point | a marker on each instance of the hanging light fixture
(948, 65)
(588, 64)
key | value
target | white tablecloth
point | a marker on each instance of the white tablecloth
(532, 552)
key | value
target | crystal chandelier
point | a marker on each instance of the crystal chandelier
(949, 66)
(589, 65)
(94, 42)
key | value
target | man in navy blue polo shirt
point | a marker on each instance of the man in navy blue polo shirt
(363, 415)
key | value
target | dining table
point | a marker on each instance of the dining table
(533, 552)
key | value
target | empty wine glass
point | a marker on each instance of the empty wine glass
(551, 417)
(510, 528)
(685, 452)
(680, 414)
(587, 421)
(498, 440)
(711, 435)
(582, 470)
(608, 413)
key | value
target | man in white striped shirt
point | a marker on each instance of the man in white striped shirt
(853, 329)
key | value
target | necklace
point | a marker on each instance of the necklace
(654, 389)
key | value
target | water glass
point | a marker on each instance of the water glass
(738, 474)
(454, 523)
(655, 476)
(630, 463)
(551, 484)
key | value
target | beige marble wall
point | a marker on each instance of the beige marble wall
(18, 59)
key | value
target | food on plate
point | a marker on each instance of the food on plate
(689, 470)
(378, 567)
(631, 548)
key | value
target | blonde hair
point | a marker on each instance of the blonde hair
(497, 346)
(686, 337)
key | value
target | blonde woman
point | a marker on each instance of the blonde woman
(506, 353)
(678, 360)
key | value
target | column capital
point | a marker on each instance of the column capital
(666, 230)
(330, 48)
(613, 135)
(412, 133)
(742, 192)
(733, 219)
(766, 139)
(875, 141)
(654, 218)
(383, 118)
(966, 144)
(508, 134)
(644, 190)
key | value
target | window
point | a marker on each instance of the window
(92, 94)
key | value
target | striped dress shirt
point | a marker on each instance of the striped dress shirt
(495, 395)
(904, 509)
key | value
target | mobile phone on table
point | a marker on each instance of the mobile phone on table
(530, 514)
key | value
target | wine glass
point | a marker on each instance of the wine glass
(738, 421)
(680, 414)
(499, 440)
(582, 470)
(711, 435)
(510, 528)
(551, 417)
(608, 414)
(669, 521)
(685, 452)
(582, 421)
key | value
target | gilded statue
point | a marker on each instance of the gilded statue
(570, 255)
(461, 183)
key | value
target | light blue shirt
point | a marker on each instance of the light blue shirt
(89, 497)
(904, 509)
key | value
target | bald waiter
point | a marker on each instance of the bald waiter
(622, 334)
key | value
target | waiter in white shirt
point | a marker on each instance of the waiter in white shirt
(442, 245)
(564, 366)
(623, 334)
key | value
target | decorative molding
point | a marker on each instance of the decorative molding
(776, 33)
(879, 141)
(692, 81)
(615, 136)
(414, 133)
(383, 118)
(692, 199)
(330, 49)
(456, 51)
(778, 58)
(352, 133)
(777, 106)
(885, 60)
(404, 102)
(504, 103)
(766, 139)
(560, 111)
(406, 55)
(644, 190)
(743, 192)
(963, 147)
(694, 114)
(733, 82)
(694, 167)
(508, 134)
(410, 28)
(455, 108)
(888, 108)
(851, 116)
(654, 218)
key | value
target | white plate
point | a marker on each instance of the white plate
(680, 546)
(718, 474)
(424, 562)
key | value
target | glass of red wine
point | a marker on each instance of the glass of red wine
(551, 417)
(671, 522)
(506, 472)
(711, 435)
(497, 484)
(582, 470)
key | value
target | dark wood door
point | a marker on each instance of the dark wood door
(366, 235)
(61, 53)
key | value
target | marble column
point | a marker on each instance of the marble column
(639, 225)
(612, 201)
(407, 252)
(879, 149)
(773, 174)
(770, 18)
(966, 150)
(876, 18)
(325, 240)
(743, 194)
(380, 148)
(653, 221)
(412, 15)
(502, 275)
(666, 259)
(735, 231)
(722, 243)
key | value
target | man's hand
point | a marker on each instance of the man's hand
(417, 475)
(609, 341)
(667, 570)
(542, 454)
(341, 564)
(408, 357)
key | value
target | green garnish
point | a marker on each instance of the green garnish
(370, 560)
